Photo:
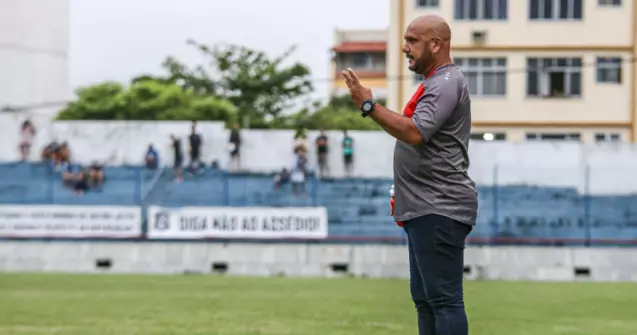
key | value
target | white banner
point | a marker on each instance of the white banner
(70, 221)
(237, 222)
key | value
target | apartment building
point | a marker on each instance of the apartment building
(537, 69)
(363, 51)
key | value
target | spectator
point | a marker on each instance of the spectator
(321, 150)
(348, 153)
(300, 142)
(281, 178)
(299, 171)
(95, 175)
(152, 158)
(63, 155)
(195, 142)
(81, 184)
(71, 175)
(179, 158)
(234, 146)
(27, 133)
(49, 152)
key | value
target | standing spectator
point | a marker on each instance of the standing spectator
(348, 153)
(195, 141)
(300, 142)
(152, 158)
(179, 158)
(27, 133)
(234, 144)
(299, 170)
(321, 150)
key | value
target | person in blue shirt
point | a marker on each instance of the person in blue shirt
(348, 153)
(152, 158)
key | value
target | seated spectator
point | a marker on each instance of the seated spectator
(281, 178)
(49, 152)
(63, 154)
(95, 175)
(152, 158)
(57, 155)
(81, 184)
(71, 175)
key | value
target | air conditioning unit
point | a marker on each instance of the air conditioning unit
(479, 36)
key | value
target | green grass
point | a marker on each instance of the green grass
(144, 305)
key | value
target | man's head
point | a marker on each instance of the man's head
(427, 43)
(236, 126)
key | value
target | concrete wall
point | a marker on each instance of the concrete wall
(379, 261)
(34, 39)
(610, 166)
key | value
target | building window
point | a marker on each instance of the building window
(555, 9)
(554, 77)
(486, 76)
(607, 137)
(488, 136)
(609, 2)
(553, 136)
(609, 70)
(481, 10)
(428, 3)
(358, 60)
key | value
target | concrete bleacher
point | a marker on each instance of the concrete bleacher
(39, 183)
(356, 207)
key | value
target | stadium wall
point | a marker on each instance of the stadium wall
(307, 260)
(597, 168)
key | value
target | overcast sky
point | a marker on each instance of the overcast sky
(118, 39)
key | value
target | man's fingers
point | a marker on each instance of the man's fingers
(348, 79)
(353, 77)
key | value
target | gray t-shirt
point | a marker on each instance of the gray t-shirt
(432, 177)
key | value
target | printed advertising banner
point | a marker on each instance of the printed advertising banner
(51, 221)
(237, 222)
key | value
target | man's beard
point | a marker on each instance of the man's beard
(422, 63)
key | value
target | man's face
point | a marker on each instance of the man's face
(420, 50)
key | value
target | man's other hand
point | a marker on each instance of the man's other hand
(358, 92)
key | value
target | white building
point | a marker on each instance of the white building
(34, 44)
(365, 52)
(563, 71)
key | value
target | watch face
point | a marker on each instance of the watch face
(367, 106)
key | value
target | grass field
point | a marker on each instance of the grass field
(144, 305)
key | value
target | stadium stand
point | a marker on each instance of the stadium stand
(357, 208)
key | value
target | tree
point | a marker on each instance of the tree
(146, 99)
(262, 88)
(105, 101)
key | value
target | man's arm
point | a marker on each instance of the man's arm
(396, 125)
(434, 108)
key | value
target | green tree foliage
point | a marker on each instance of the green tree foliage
(262, 88)
(146, 99)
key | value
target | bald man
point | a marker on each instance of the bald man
(435, 199)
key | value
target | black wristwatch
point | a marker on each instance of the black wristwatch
(367, 107)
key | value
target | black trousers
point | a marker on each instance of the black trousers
(436, 262)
